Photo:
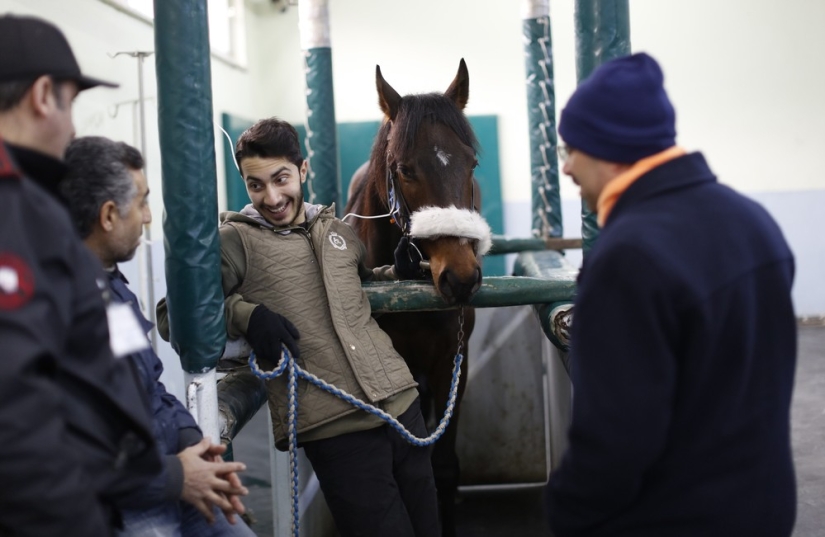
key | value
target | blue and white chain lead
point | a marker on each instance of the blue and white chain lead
(296, 371)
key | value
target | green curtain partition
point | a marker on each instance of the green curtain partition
(541, 113)
(190, 196)
(602, 34)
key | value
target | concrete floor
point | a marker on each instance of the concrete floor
(520, 512)
(808, 419)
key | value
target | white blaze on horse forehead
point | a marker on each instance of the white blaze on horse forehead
(442, 156)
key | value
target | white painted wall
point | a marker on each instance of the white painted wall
(747, 81)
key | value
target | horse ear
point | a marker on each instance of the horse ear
(459, 90)
(388, 98)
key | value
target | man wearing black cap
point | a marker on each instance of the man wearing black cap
(684, 346)
(73, 424)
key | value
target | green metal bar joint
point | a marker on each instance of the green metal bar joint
(240, 395)
(551, 314)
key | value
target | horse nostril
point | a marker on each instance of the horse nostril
(446, 283)
(453, 288)
(477, 284)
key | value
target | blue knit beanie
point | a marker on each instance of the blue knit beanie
(621, 112)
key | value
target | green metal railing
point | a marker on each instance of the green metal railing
(513, 245)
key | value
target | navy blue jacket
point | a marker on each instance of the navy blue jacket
(683, 358)
(173, 426)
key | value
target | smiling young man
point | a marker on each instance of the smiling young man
(684, 346)
(274, 187)
(292, 275)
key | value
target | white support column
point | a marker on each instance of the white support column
(202, 402)
(559, 396)
(313, 23)
(281, 482)
(534, 9)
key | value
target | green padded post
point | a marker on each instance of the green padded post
(324, 182)
(541, 115)
(602, 34)
(321, 143)
(190, 194)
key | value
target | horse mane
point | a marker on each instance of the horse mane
(359, 193)
(412, 111)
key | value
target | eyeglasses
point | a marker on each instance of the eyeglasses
(564, 151)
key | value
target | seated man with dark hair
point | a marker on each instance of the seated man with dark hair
(108, 200)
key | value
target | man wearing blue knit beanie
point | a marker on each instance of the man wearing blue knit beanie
(684, 345)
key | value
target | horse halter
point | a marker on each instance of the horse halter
(433, 222)
(399, 210)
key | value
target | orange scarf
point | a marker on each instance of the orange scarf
(615, 188)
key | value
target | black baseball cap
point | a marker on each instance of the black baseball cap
(31, 47)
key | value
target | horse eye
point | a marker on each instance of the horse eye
(475, 164)
(405, 171)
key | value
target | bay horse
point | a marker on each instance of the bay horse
(423, 157)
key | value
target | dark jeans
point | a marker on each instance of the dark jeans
(375, 483)
(180, 519)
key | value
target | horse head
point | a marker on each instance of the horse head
(426, 153)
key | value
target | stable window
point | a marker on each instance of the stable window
(226, 25)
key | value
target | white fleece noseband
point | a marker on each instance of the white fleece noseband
(432, 222)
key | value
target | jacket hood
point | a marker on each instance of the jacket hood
(250, 214)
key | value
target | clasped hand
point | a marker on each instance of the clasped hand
(210, 482)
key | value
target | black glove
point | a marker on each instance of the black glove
(266, 332)
(408, 260)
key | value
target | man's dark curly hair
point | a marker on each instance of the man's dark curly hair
(269, 138)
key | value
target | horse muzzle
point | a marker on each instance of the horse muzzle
(454, 240)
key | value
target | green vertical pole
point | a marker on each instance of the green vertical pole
(321, 139)
(602, 34)
(541, 111)
(190, 196)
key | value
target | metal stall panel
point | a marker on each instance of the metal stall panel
(502, 431)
